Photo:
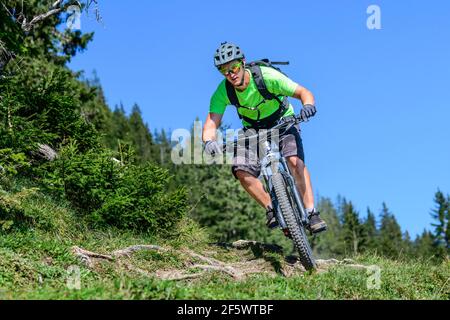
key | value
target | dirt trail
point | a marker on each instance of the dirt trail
(243, 258)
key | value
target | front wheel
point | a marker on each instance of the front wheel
(296, 230)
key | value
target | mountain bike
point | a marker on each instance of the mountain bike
(280, 184)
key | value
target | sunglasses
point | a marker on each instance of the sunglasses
(234, 68)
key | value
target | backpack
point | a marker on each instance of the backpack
(255, 69)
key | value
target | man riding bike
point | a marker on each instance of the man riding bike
(257, 113)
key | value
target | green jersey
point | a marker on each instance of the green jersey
(276, 82)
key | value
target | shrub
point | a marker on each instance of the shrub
(110, 192)
(42, 104)
(12, 212)
(10, 163)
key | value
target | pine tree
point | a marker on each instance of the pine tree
(140, 135)
(371, 232)
(423, 245)
(441, 216)
(407, 245)
(328, 244)
(447, 229)
(353, 232)
(119, 131)
(162, 152)
(94, 107)
(390, 234)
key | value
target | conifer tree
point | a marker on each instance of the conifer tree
(390, 234)
(140, 135)
(162, 151)
(407, 245)
(423, 245)
(328, 244)
(353, 232)
(441, 217)
(371, 232)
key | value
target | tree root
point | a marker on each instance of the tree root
(128, 251)
(196, 261)
(86, 256)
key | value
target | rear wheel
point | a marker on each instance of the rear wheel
(296, 230)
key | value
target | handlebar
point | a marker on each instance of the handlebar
(287, 122)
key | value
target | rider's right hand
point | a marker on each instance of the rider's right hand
(212, 148)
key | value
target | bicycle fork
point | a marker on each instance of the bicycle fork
(275, 163)
(269, 167)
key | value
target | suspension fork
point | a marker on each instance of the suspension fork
(272, 165)
(290, 179)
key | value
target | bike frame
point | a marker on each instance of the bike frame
(271, 163)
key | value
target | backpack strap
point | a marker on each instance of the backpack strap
(269, 121)
(259, 81)
(232, 96)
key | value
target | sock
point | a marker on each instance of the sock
(310, 210)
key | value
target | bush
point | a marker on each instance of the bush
(42, 104)
(10, 163)
(12, 212)
(110, 192)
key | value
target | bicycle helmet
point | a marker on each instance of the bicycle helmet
(227, 52)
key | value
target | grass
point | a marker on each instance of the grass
(35, 263)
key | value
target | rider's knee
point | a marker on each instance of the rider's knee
(296, 162)
(244, 176)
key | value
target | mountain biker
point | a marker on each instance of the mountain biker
(258, 113)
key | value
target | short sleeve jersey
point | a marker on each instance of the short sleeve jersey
(276, 82)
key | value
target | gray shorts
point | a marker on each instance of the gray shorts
(246, 157)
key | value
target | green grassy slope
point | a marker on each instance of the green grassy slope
(37, 262)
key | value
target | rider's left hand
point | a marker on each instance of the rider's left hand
(307, 112)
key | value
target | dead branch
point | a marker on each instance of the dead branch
(46, 152)
(28, 26)
(57, 7)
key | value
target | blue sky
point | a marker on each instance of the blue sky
(382, 128)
